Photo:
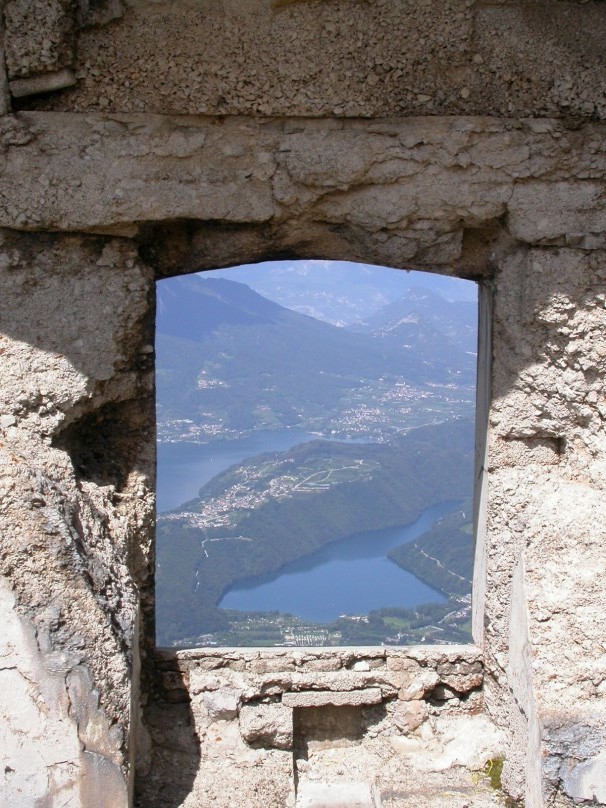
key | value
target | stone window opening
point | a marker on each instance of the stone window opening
(165, 302)
(303, 711)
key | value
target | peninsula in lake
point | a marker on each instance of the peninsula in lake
(274, 508)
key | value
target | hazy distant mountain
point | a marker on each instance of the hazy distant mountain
(456, 320)
(340, 292)
(230, 361)
(192, 307)
(440, 333)
(225, 350)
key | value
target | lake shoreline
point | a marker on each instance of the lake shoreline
(415, 528)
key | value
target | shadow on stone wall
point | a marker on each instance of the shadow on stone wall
(166, 775)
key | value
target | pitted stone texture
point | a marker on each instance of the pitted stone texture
(409, 716)
(75, 521)
(331, 673)
(321, 698)
(547, 426)
(564, 595)
(223, 704)
(468, 741)
(465, 195)
(267, 725)
(421, 686)
(414, 191)
(406, 772)
(345, 58)
(587, 780)
(196, 762)
(461, 676)
(39, 36)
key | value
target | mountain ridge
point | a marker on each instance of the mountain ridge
(230, 360)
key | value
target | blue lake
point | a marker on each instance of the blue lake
(351, 576)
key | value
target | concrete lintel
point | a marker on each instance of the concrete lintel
(325, 698)
(336, 795)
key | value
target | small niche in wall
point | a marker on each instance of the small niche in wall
(315, 456)
(319, 728)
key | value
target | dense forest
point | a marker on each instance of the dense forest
(196, 565)
(443, 556)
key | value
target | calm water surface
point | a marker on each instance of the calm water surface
(351, 576)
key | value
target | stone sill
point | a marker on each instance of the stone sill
(232, 680)
(425, 655)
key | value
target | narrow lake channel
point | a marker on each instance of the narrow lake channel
(351, 576)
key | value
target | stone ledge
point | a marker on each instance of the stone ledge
(336, 795)
(399, 196)
(424, 655)
(324, 698)
(43, 83)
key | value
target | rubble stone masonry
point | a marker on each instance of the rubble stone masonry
(145, 139)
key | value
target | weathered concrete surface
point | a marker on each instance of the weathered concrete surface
(398, 193)
(76, 509)
(333, 58)
(546, 521)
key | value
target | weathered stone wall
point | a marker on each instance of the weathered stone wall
(481, 198)
(546, 517)
(76, 514)
(328, 721)
(157, 156)
(352, 58)
(425, 192)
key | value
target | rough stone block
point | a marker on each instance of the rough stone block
(587, 780)
(444, 693)
(278, 665)
(222, 705)
(420, 686)
(321, 698)
(408, 716)
(267, 725)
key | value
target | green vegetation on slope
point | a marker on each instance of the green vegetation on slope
(276, 508)
(443, 556)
